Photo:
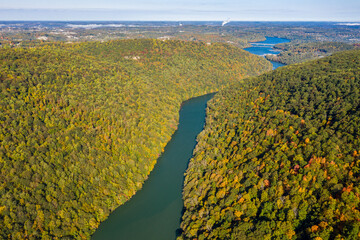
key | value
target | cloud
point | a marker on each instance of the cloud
(349, 24)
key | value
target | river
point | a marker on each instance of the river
(155, 211)
(266, 47)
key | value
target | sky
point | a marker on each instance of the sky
(181, 10)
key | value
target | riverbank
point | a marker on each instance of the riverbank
(155, 211)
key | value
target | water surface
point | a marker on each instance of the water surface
(266, 47)
(154, 212)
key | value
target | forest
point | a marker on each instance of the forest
(82, 124)
(279, 157)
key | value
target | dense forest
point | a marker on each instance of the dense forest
(300, 52)
(83, 124)
(279, 157)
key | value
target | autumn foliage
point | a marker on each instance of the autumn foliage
(279, 157)
(82, 125)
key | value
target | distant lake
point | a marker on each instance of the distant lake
(266, 47)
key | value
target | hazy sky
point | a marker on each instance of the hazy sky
(242, 10)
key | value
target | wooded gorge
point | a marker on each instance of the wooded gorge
(279, 157)
(83, 124)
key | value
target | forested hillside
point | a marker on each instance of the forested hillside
(81, 125)
(280, 157)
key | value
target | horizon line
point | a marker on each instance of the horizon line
(335, 21)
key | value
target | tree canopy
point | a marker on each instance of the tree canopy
(279, 157)
(82, 125)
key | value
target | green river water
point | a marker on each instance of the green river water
(154, 212)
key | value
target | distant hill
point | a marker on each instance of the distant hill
(301, 52)
(280, 157)
(82, 125)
